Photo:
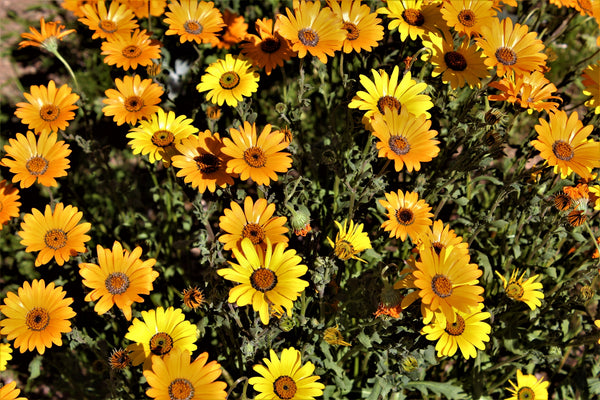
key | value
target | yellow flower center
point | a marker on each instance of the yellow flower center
(229, 80)
(37, 165)
(399, 145)
(284, 387)
(562, 150)
(254, 232)
(457, 327)
(525, 393)
(343, 249)
(455, 61)
(162, 138)
(388, 101)
(207, 163)
(352, 31)
(55, 239)
(308, 36)
(270, 45)
(255, 157)
(263, 279)
(108, 26)
(131, 51)
(181, 389)
(133, 103)
(514, 290)
(117, 283)
(405, 216)
(413, 17)
(441, 286)
(193, 27)
(161, 343)
(506, 56)
(49, 112)
(37, 319)
(466, 18)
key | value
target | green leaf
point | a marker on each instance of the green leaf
(447, 390)
(35, 367)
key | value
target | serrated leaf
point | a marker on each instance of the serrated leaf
(447, 390)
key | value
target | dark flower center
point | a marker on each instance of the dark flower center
(405, 216)
(388, 101)
(413, 17)
(284, 387)
(162, 138)
(466, 18)
(117, 283)
(455, 61)
(506, 56)
(255, 157)
(207, 163)
(37, 319)
(193, 27)
(254, 232)
(263, 279)
(399, 145)
(131, 51)
(37, 165)
(352, 31)
(562, 150)
(55, 239)
(229, 80)
(270, 45)
(49, 112)
(108, 26)
(161, 343)
(133, 103)
(457, 327)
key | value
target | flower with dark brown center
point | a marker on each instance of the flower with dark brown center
(263, 279)
(413, 17)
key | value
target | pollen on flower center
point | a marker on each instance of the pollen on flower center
(263, 279)
(405, 216)
(161, 343)
(133, 103)
(466, 18)
(37, 165)
(388, 101)
(193, 27)
(254, 232)
(343, 249)
(181, 389)
(525, 393)
(413, 17)
(285, 387)
(49, 112)
(255, 157)
(455, 61)
(37, 319)
(229, 80)
(207, 163)
(55, 239)
(399, 145)
(117, 283)
(308, 37)
(441, 286)
(108, 26)
(352, 31)
(455, 328)
(131, 51)
(162, 138)
(514, 290)
(562, 150)
(506, 56)
(270, 45)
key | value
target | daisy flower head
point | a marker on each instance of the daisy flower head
(158, 136)
(528, 291)
(202, 162)
(256, 157)
(176, 376)
(9, 204)
(47, 37)
(404, 139)
(564, 144)
(48, 109)
(194, 20)
(119, 278)
(55, 234)
(5, 355)
(255, 222)
(467, 332)
(234, 31)
(158, 333)
(269, 49)
(10, 392)
(75, 6)
(134, 99)
(591, 83)
(107, 23)
(468, 16)
(140, 8)
(407, 215)
(268, 278)
(286, 378)
(363, 28)
(529, 90)
(440, 236)
(229, 81)
(350, 241)
(312, 29)
(36, 316)
(415, 18)
(511, 47)
(528, 387)
(130, 50)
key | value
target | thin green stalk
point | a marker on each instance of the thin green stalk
(68, 67)
(594, 240)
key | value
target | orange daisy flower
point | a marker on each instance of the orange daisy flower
(194, 20)
(530, 91)
(9, 206)
(468, 16)
(48, 34)
(234, 32)
(140, 7)
(117, 20)
(130, 50)
(133, 100)
(75, 6)
(363, 28)
(407, 215)
(270, 49)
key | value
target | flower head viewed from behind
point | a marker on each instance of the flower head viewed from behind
(528, 387)
(350, 241)
(46, 37)
(529, 292)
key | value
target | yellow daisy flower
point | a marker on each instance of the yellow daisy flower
(158, 334)
(9, 206)
(565, 145)
(135, 99)
(312, 29)
(440, 236)
(286, 378)
(255, 222)
(530, 91)
(229, 80)
(159, 136)
(10, 392)
(407, 215)
(468, 16)
(270, 49)
(528, 387)
(141, 7)
(415, 18)
(48, 109)
(268, 278)
(529, 292)
(130, 50)
(591, 83)
(46, 37)
(363, 28)
(175, 376)
(117, 20)
(194, 20)
(5, 355)
(349, 242)
(256, 157)
(36, 316)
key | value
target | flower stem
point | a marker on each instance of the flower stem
(66, 64)
(587, 227)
